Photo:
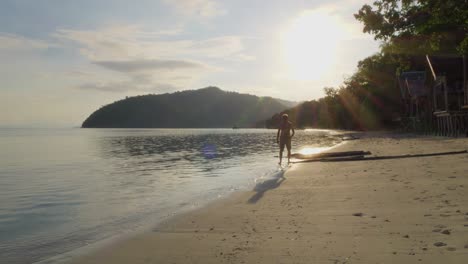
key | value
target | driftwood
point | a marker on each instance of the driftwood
(330, 154)
(356, 156)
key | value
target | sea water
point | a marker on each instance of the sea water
(62, 189)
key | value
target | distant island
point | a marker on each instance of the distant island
(208, 107)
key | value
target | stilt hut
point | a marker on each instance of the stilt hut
(415, 95)
(450, 94)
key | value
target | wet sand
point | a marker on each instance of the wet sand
(395, 210)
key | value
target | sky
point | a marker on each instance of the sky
(61, 60)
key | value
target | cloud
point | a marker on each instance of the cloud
(132, 42)
(197, 8)
(145, 65)
(130, 58)
(132, 52)
(19, 43)
(106, 87)
(126, 86)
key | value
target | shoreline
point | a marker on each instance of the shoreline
(123, 235)
(349, 211)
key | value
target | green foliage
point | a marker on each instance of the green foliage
(418, 26)
(208, 107)
(370, 98)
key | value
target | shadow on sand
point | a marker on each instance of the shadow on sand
(362, 158)
(268, 184)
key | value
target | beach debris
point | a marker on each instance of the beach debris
(451, 248)
(446, 232)
(440, 244)
(406, 236)
(358, 214)
(326, 155)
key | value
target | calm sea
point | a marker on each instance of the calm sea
(62, 189)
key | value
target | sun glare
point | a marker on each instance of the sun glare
(311, 150)
(310, 44)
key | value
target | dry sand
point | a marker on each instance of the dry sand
(406, 210)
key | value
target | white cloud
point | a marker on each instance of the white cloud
(130, 51)
(131, 42)
(134, 85)
(148, 65)
(197, 8)
(20, 43)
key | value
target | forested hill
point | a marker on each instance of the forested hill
(204, 108)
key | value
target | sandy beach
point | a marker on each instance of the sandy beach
(393, 210)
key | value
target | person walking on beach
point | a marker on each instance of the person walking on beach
(283, 137)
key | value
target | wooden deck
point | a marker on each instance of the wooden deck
(451, 123)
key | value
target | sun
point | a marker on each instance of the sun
(310, 44)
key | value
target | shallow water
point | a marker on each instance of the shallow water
(61, 189)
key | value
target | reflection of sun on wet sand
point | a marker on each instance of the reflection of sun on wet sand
(408, 210)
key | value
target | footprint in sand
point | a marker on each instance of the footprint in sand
(440, 244)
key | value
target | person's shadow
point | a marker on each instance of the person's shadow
(269, 184)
